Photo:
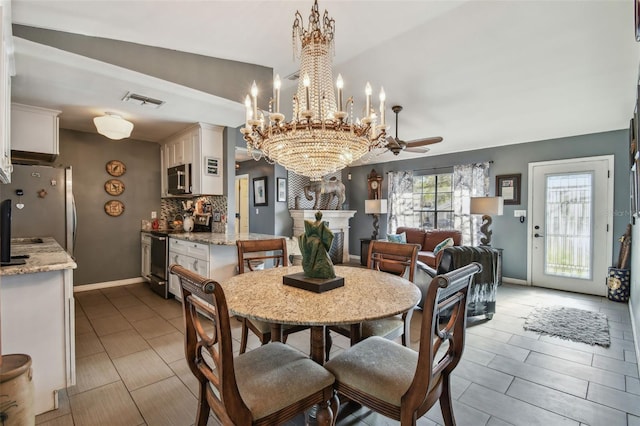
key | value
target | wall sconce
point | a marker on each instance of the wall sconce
(375, 208)
(486, 206)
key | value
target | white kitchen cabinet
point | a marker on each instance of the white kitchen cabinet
(179, 149)
(190, 255)
(38, 319)
(145, 255)
(35, 129)
(6, 71)
(199, 145)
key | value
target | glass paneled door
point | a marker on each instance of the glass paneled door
(570, 229)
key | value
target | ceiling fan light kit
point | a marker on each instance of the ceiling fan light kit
(322, 137)
(113, 126)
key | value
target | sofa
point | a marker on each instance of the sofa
(428, 240)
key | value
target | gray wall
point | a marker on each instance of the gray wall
(283, 222)
(508, 232)
(261, 219)
(108, 248)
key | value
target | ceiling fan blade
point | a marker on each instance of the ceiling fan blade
(417, 149)
(423, 142)
(392, 142)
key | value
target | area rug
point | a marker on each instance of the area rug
(570, 324)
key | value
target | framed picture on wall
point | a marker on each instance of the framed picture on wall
(508, 187)
(281, 189)
(260, 191)
(635, 171)
(633, 198)
(637, 18)
(633, 144)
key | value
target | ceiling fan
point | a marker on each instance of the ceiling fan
(396, 145)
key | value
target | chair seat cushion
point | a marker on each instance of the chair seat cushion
(275, 375)
(383, 327)
(377, 366)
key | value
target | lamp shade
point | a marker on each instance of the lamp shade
(375, 206)
(113, 126)
(486, 205)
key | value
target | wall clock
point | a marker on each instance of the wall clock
(374, 183)
(114, 208)
(114, 187)
(116, 168)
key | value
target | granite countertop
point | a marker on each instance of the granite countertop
(219, 239)
(43, 257)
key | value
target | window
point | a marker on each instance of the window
(432, 201)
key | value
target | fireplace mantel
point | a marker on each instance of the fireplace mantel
(338, 222)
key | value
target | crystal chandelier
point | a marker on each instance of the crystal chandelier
(321, 137)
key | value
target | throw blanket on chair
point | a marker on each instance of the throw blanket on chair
(484, 286)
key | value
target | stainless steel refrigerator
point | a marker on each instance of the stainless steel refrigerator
(46, 207)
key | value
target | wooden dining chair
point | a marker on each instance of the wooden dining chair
(269, 385)
(398, 259)
(252, 253)
(397, 381)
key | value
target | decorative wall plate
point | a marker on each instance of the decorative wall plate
(114, 187)
(114, 208)
(116, 168)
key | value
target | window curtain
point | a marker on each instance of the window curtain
(469, 180)
(400, 203)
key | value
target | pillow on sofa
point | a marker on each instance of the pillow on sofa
(400, 238)
(447, 242)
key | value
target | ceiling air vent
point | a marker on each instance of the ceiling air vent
(294, 76)
(141, 100)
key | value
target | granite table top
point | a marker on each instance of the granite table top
(44, 256)
(366, 295)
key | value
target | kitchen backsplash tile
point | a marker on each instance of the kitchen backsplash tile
(170, 207)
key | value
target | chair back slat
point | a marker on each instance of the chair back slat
(276, 246)
(395, 258)
(203, 300)
(446, 292)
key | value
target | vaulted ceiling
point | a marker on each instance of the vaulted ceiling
(478, 73)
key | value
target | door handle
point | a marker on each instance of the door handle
(538, 235)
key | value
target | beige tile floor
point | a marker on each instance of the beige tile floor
(131, 368)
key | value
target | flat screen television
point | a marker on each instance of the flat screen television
(5, 236)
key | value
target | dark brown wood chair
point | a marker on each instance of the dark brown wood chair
(252, 253)
(397, 381)
(269, 385)
(395, 258)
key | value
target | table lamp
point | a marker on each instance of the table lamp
(376, 208)
(486, 206)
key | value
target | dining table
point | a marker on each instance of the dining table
(367, 294)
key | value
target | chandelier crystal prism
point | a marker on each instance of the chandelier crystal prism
(321, 137)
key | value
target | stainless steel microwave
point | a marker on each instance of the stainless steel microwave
(179, 179)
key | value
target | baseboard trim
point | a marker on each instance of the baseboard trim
(515, 281)
(107, 284)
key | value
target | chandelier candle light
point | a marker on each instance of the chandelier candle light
(321, 137)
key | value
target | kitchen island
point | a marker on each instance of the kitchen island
(212, 255)
(37, 315)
